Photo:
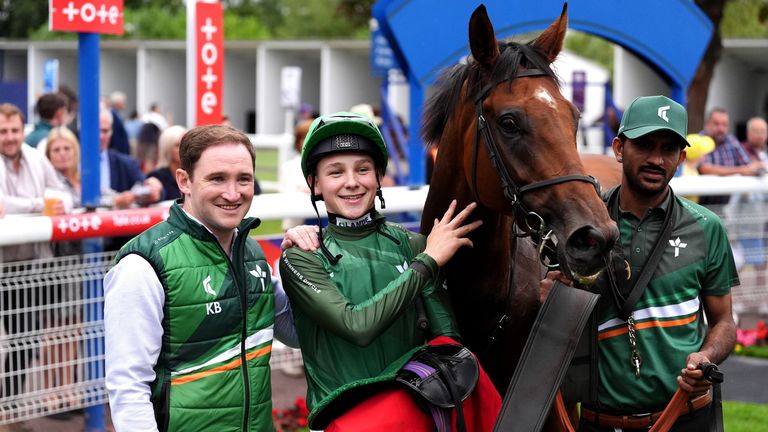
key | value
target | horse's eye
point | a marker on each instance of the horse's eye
(508, 125)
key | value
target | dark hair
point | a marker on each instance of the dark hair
(149, 133)
(49, 103)
(70, 95)
(197, 140)
(9, 110)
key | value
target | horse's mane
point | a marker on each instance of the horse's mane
(442, 103)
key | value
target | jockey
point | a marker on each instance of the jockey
(361, 287)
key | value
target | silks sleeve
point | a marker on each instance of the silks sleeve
(442, 321)
(437, 304)
(311, 290)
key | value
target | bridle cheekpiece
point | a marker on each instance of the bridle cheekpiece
(528, 223)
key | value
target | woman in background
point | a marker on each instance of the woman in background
(63, 150)
(168, 161)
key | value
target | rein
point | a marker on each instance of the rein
(676, 407)
(531, 223)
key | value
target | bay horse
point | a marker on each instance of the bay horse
(506, 139)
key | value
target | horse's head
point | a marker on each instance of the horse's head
(519, 145)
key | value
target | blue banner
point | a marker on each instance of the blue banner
(382, 56)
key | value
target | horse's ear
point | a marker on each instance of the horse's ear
(551, 41)
(482, 40)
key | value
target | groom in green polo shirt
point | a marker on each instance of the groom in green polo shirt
(650, 347)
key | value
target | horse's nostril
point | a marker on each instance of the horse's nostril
(586, 239)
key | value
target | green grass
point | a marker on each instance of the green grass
(760, 351)
(266, 165)
(745, 417)
(268, 227)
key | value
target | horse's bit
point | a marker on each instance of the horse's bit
(533, 224)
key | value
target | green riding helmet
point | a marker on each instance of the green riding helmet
(343, 132)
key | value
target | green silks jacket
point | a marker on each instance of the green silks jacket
(357, 319)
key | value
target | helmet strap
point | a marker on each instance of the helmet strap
(333, 259)
(379, 193)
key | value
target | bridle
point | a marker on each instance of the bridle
(528, 223)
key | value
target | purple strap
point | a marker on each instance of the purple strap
(439, 415)
(420, 369)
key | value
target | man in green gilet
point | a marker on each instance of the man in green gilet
(190, 307)
(648, 349)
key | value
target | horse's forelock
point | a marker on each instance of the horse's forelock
(514, 55)
(442, 103)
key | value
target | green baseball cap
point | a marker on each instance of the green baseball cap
(652, 113)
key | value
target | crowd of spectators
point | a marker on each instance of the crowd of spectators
(41, 173)
(744, 213)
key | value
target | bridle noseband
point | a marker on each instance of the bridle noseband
(539, 231)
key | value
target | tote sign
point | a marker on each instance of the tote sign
(86, 16)
(210, 62)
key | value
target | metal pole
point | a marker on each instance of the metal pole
(88, 62)
(416, 155)
(396, 135)
(191, 62)
(679, 94)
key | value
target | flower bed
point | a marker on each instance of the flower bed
(293, 419)
(752, 342)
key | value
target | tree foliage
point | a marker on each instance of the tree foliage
(300, 19)
(357, 12)
(592, 47)
(243, 19)
(745, 19)
(304, 19)
(19, 18)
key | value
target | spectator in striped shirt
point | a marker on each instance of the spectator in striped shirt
(729, 157)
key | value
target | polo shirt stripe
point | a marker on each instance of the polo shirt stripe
(656, 312)
(647, 324)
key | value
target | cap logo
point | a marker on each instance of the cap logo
(344, 142)
(662, 112)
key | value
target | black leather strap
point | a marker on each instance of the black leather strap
(545, 358)
(626, 305)
(450, 382)
(717, 409)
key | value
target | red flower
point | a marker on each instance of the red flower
(300, 402)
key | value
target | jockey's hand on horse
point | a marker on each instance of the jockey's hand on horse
(303, 236)
(691, 379)
(546, 284)
(448, 234)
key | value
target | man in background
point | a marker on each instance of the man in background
(25, 174)
(728, 158)
(119, 139)
(53, 109)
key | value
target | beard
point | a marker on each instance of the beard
(643, 188)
